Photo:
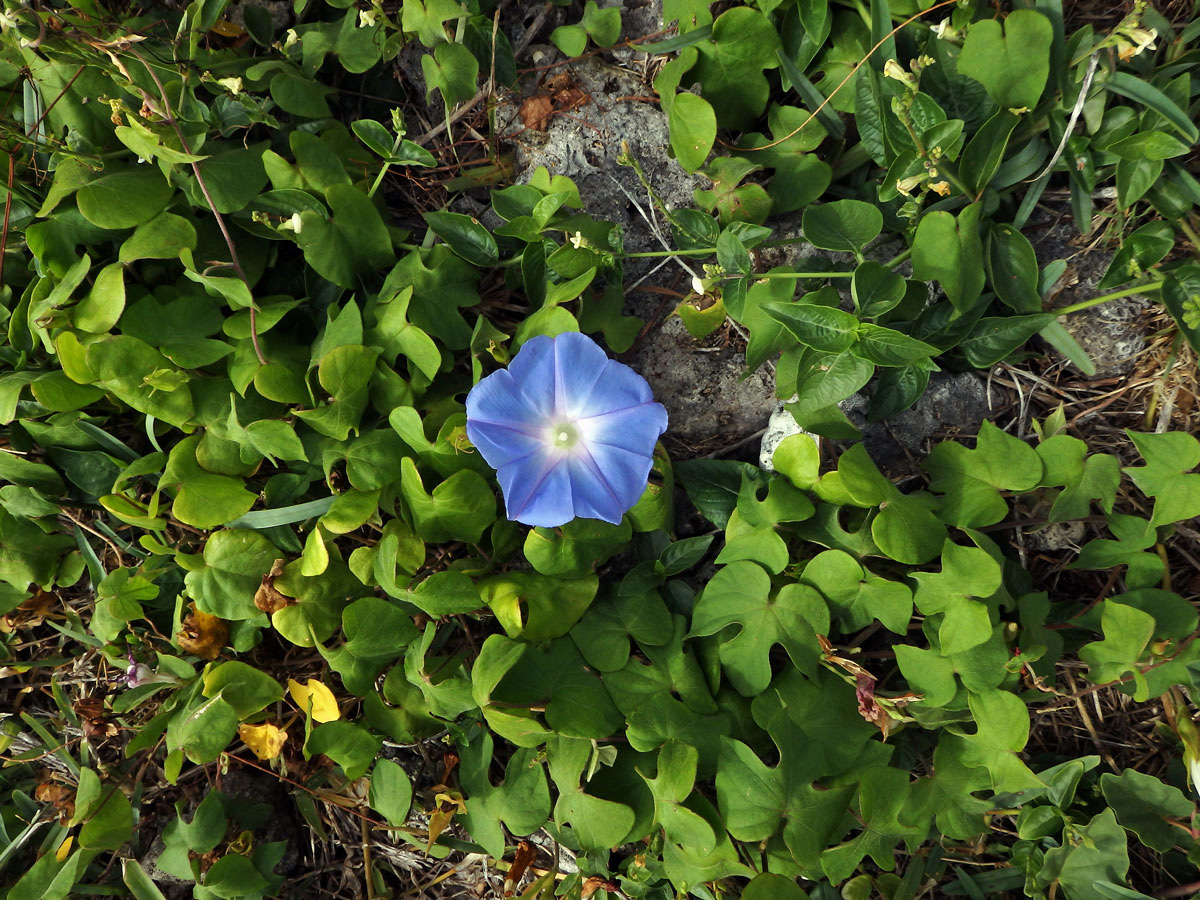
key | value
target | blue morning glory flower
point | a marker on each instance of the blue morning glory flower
(569, 431)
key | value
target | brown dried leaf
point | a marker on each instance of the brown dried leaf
(202, 635)
(522, 858)
(267, 598)
(536, 112)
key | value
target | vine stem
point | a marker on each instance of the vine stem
(797, 275)
(1104, 298)
(169, 116)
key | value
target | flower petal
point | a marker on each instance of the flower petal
(502, 444)
(618, 387)
(607, 480)
(537, 490)
(579, 364)
(532, 371)
(636, 428)
(498, 399)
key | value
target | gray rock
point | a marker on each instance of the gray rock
(1112, 334)
(703, 389)
(954, 401)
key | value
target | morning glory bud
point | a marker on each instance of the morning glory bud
(569, 431)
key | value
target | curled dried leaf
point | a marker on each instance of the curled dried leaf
(267, 598)
(202, 634)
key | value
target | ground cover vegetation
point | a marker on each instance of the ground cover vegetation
(267, 630)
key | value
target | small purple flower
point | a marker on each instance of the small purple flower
(569, 431)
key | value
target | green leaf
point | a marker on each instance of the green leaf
(1083, 480)
(1127, 632)
(570, 39)
(1169, 457)
(693, 126)
(1145, 805)
(234, 562)
(537, 607)
(1181, 297)
(876, 289)
(27, 554)
(845, 225)
(823, 328)
(1011, 60)
(800, 177)
(755, 798)
(124, 199)
(741, 594)
(299, 95)
(243, 687)
(994, 338)
(1147, 95)
(352, 241)
(766, 886)
(883, 800)
(1097, 854)
(598, 824)
(1148, 145)
(391, 792)
(888, 347)
(204, 731)
(1142, 248)
(344, 372)
(465, 236)
(671, 786)
(985, 151)
(968, 577)
(1013, 269)
(99, 311)
(427, 18)
(452, 69)
(350, 746)
(202, 499)
(1002, 729)
(1134, 178)
(234, 876)
(603, 25)
(971, 480)
(731, 63)
(949, 250)
(460, 508)
(140, 884)
(576, 548)
(521, 801)
(105, 812)
(857, 597)
(234, 177)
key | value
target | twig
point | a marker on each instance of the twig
(1079, 102)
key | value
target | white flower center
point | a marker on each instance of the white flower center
(564, 435)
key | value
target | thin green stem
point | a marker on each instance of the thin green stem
(1192, 236)
(898, 258)
(1104, 298)
(795, 275)
(701, 251)
(386, 167)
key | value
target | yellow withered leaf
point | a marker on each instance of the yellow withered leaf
(265, 740)
(202, 634)
(324, 706)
